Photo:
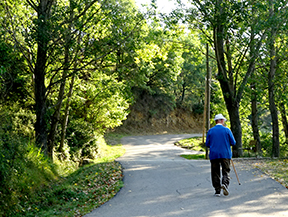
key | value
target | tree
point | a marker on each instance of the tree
(53, 36)
(230, 25)
(190, 82)
(254, 94)
(271, 75)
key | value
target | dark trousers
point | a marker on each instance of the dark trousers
(216, 175)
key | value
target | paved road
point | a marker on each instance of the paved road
(159, 183)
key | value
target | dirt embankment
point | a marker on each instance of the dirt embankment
(175, 122)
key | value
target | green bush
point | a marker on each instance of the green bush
(23, 167)
(11, 167)
(82, 140)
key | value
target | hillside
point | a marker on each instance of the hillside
(176, 121)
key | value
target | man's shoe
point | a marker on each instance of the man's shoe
(225, 190)
(217, 194)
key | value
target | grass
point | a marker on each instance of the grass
(277, 169)
(193, 156)
(194, 143)
(77, 193)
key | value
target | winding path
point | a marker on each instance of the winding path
(159, 183)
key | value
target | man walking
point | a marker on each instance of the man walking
(219, 139)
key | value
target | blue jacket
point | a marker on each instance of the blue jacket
(219, 139)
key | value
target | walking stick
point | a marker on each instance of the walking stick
(235, 172)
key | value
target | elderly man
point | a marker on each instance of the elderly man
(219, 139)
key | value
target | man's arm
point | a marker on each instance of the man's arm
(231, 138)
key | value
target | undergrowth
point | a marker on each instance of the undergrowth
(37, 187)
(75, 195)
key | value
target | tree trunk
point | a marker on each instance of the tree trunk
(208, 95)
(227, 74)
(183, 92)
(232, 106)
(56, 116)
(66, 116)
(254, 111)
(271, 75)
(43, 12)
(40, 101)
(273, 111)
(284, 120)
(255, 128)
(233, 111)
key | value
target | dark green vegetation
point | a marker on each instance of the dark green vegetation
(71, 71)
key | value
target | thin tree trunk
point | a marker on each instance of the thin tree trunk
(66, 116)
(183, 92)
(56, 115)
(208, 95)
(254, 111)
(255, 128)
(284, 120)
(271, 76)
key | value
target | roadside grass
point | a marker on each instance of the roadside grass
(79, 192)
(277, 169)
(194, 143)
(193, 156)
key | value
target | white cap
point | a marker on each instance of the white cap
(219, 117)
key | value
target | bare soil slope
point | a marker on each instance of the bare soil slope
(176, 121)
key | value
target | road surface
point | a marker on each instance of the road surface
(160, 183)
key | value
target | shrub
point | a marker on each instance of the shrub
(23, 167)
